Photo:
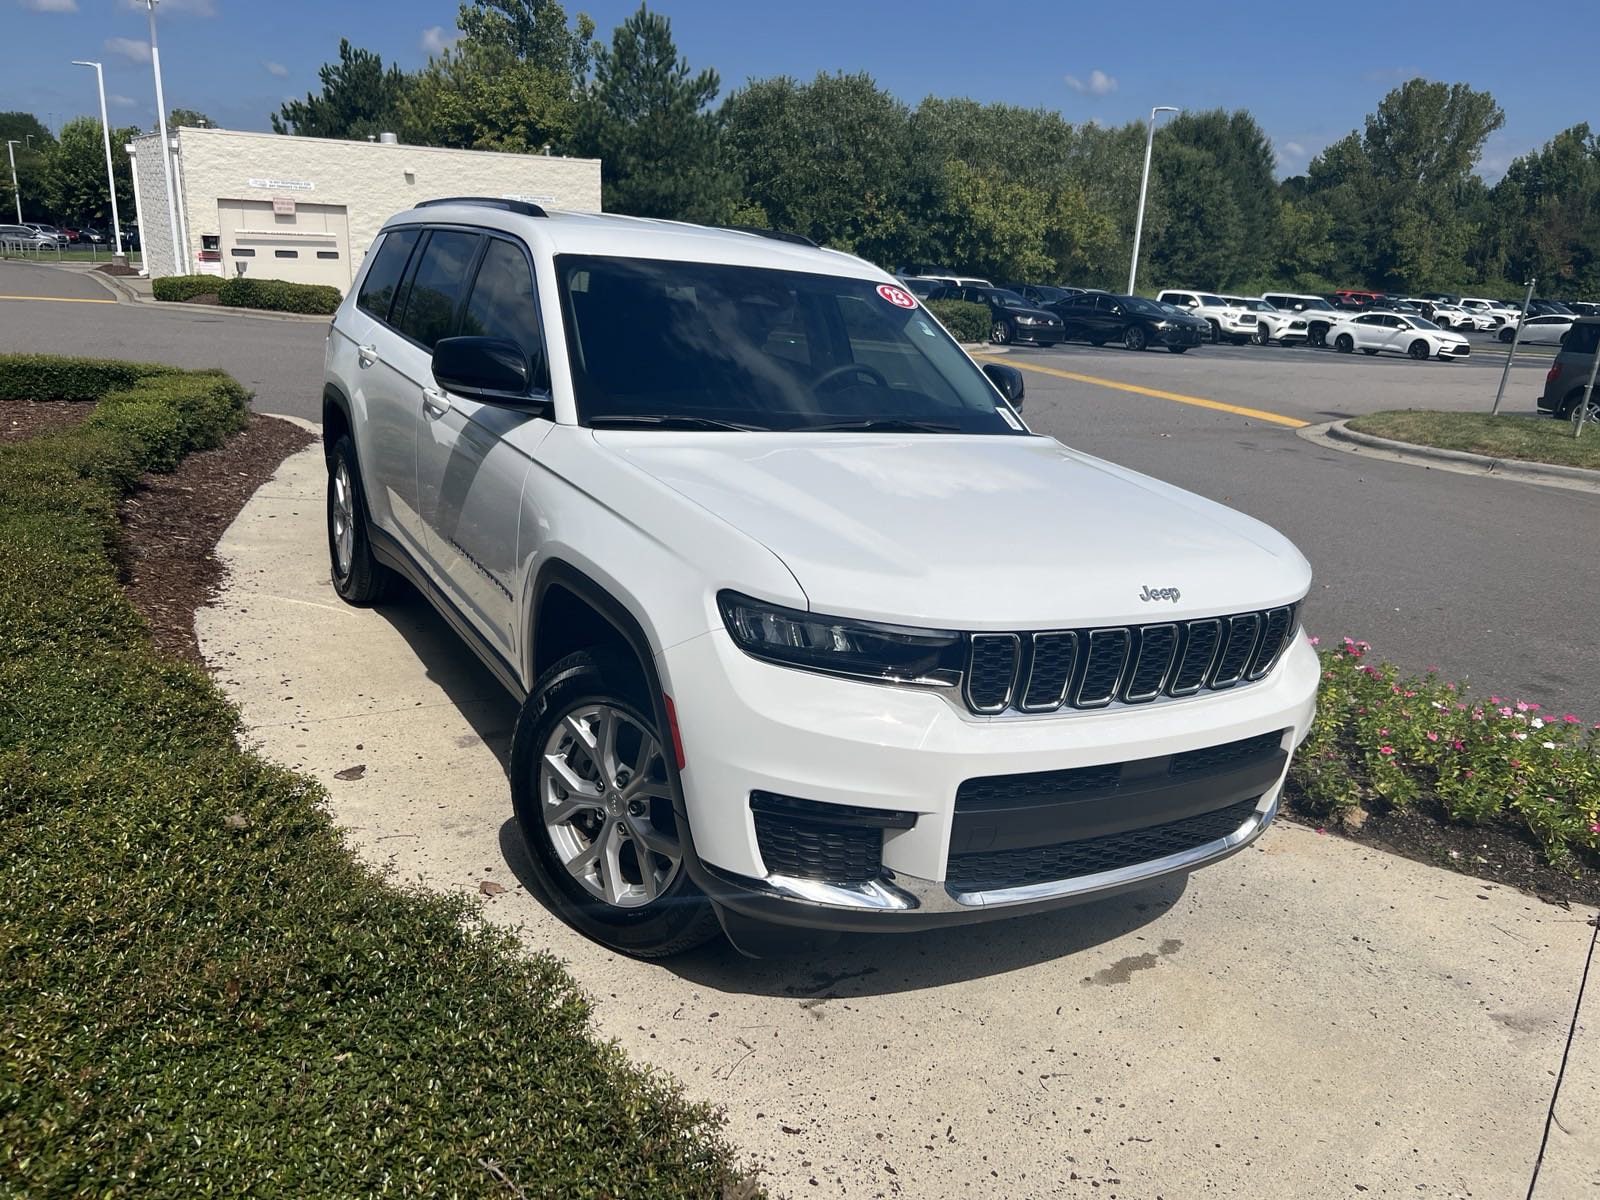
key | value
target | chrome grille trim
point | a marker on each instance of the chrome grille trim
(1043, 642)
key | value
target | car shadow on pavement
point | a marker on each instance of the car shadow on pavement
(886, 963)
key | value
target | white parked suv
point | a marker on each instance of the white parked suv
(810, 632)
(1285, 328)
(1228, 321)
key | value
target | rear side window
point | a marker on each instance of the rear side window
(1582, 339)
(502, 305)
(383, 277)
(437, 286)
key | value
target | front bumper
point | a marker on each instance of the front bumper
(1182, 336)
(752, 727)
(1041, 335)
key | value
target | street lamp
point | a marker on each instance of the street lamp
(1144, 184)
(119, 257)
(179, 254)
(15, 190)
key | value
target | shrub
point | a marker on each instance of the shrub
(1394, 740)
(185, 287)
(200, 988)
(49, 377)
(279, 295)
(966, 322)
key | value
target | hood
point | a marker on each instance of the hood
(973, 532)
(1044, 314)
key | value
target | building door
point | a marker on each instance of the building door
(303, 243)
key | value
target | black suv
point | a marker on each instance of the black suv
(1011, 317)
(1101, 317)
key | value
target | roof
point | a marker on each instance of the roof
(618, 236)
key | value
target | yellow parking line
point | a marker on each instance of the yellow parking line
(1177, 397)
(61, 299)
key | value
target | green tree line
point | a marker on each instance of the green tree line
(63, 178)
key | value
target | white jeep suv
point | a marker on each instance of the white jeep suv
(810, 632)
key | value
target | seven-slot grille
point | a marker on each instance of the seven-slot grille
(1092, 668)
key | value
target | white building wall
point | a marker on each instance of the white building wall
(155, 230)
(371, 180)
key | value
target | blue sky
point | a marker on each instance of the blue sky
(1308, 80)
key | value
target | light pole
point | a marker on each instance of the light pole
(15, 190)
(1144, 185)
(178, 253)
(119, 257)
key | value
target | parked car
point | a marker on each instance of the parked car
(923, 288)
(25, 237)
(130, 236)
(1549, 308)
(1226, 320)
(1011, 318)
(1357, 298)
(1101, 317)
(1042, 294)
(91, 236)
(1584, 308)
(1479, 306)
(1418, 337)
(1285, 328)
(1564, 383)
(1320, 315)
(1539, 331)
(774, 605)
(1453, 316)
(49, 231)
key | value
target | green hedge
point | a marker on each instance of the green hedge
(52, 377)
(201, 990)
(279, 295)
(185, 287)
(966, 322)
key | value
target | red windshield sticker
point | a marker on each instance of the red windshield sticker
(898, 297)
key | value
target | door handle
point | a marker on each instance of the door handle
(435, 402)
(366, 355)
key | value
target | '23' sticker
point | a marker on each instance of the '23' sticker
(898, 297)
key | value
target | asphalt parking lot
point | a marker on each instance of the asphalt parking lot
(1486, 579)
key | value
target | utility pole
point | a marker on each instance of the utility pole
(119, 256)
(1511, 351)
(1144, 185)
(15, 190)
(179, 253)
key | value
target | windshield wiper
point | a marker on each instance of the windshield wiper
(884, 424)
(665, 421)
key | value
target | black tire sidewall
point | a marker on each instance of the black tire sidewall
(682, 916)
(367, 580)
(1134, 338)
(1344, 343)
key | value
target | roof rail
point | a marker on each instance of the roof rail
(517, 206)
(776, 235)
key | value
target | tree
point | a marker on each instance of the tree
(648, 120)
(359, 98)
(73, 181)
(1544, 215)
(1204, 229)
(30, 159)
(531, 31)
(191, 117)
(1241, 151)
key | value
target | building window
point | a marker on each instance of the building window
(242, 252)
(327, 254)
(286, 254)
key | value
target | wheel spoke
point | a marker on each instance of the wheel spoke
(652, 839)
(610, 864)
(606, 746)
(579, 729)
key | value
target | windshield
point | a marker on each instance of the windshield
(1009, 299)
(1149, 308)
(1210, 301)
(685, 343)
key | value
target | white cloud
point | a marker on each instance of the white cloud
(1098, 83)
(1294, 149)
(131, 49)
(50, 5)
(276, 69)
(198, 8)
(117, 101)
(436, 40)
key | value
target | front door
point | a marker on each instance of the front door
(473, 459)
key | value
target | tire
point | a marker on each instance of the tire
(1591, 426)
(1507, 334)
(1177, 349)
(1259, 337)
(1369, 353)
(1000, 333)
(1317, 334)
(1419, 350)
(357, 575)
(647, 913)
(1344, 343)
(1216, 332)
(1134, 338)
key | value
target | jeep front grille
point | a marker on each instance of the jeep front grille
(1093, 668)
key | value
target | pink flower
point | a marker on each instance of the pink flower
(1383, 733)
(1570, 719)
(1432, 737)
(1521, 707)
(1409, 695)
(1315, 641)
(1504, 712)
(1386, 750)
(1594, 826)
(1458, 744)
(1468, 774)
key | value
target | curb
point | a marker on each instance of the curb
(1338, 436)
(127, 295)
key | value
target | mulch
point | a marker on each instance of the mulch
(116, 269)
(171, 525)
(23, 419)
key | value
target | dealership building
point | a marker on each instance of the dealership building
(271, 206)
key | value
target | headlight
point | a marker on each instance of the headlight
(1029, 321)
(841, 646)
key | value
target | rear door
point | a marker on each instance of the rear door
(469, 477)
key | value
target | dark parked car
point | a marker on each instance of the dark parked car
(1011, 318)
(1569, 374)
(1042, 294)
(88, 234)
(1101, 317)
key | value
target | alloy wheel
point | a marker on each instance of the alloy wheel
(344, 515)
(607, 806)
(1000, 334)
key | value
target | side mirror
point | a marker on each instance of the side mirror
(1008, 380)
(488, 370)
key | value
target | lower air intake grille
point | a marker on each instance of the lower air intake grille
(1072, 860)
(805, 839)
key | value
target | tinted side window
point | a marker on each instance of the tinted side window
(437, 286)
(502, 304)
(1105, 304)
(1581, 340)
(383, 279)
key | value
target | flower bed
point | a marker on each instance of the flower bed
(1384, 740)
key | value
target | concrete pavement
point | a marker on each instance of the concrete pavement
(1308, 1019)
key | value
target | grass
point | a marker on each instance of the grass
(1529, 439)
(77, 254)
(201, 990)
